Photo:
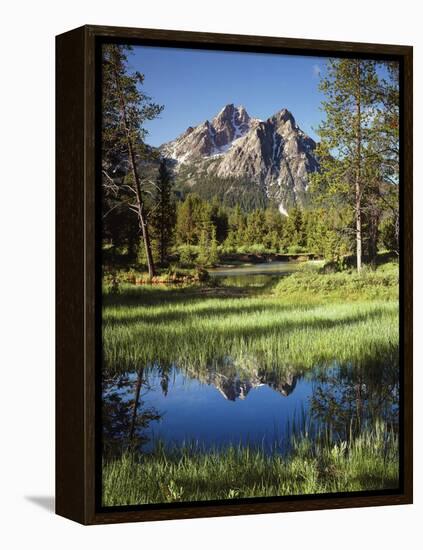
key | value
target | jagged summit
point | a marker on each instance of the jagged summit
(210, 138)
(275, 153)
(229, 124)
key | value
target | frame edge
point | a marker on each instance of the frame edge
(75, 356)
(70, 392)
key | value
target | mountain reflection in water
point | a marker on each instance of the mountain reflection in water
(226, 404)
(233, 384)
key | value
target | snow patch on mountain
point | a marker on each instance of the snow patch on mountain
(275, 154)
(282, 210)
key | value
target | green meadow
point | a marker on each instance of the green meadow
(298, 321)
(303, 320)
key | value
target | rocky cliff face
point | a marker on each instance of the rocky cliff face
(210, 139)
(275, 154)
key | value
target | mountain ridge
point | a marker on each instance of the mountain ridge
(275, 154)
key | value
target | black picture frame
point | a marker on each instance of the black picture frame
(78, 293)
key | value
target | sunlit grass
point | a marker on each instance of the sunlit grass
(371, 284)
(306, 319)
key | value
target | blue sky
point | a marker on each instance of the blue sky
(193, 85)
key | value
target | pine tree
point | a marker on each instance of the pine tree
(203, 248)
(163, 214)
(190, 219)
(255, 230)
(237, 224)
(219, 218)
(125, 109)
(294, 228)
(350, 86)
(387, 125)
(214, 254)
(274, 227)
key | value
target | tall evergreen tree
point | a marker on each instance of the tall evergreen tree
(295, 229)
(203, 248)
(387, 127)
(350, 86)
(214, 253)
(192, 215)
(125, 109)
(163, 213)
(219, 219)
(237, 225)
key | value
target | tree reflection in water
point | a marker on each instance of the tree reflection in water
(336, 403)
(346, 399)
(125, 418)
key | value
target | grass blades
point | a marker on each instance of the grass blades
(307, 319)
(370, 462)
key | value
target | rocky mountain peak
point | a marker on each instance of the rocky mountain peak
(275, 153)
(210, 138)
(188, 131)
(284, 118)
(225, 113)
(230, 113)
(229, 124)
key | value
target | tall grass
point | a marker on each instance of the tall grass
(369, 462)
(311, 285)
(307, 319)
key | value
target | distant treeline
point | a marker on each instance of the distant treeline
(197, 231)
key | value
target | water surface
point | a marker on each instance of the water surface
(266, 268)
(223, 406)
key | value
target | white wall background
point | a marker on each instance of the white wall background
(27, 271)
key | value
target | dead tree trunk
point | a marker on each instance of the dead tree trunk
(142, 219)
(141, 214)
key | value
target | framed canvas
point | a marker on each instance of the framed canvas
(234, 275)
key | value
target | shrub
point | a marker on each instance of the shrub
(187, 255)
(348, 284)
(257, 249)
(296, 249)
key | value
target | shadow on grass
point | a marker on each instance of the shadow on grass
(145, 295)
(244, 310)
(222, 310)
(148, 295)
